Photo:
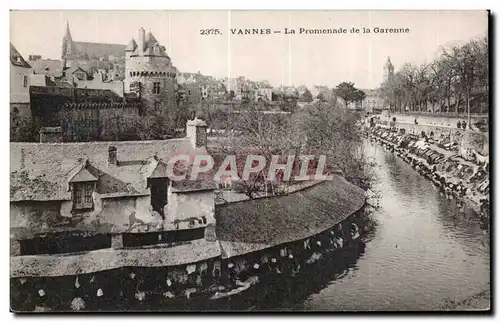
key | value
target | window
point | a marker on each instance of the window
(157, 106)
(156, 88)
(25, 81)
(82, 195)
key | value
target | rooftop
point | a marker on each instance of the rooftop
(264, 222)
(42, 171)
(16, 58)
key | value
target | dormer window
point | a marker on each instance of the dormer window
(82, 186)
(82, 195)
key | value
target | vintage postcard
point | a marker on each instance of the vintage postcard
(227, 161)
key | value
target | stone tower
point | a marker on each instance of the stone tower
(388, 72)
(150, 74)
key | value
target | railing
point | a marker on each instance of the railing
(443, 114)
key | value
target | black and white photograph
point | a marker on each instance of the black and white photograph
(249, 160)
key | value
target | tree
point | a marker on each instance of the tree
(257, 133)
(456, 81)
(326, 130)
(349, 93)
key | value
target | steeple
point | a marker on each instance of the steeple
(388, 71)
(67, 43)
(388, 64)
(68, 34)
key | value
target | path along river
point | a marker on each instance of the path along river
(425, 253)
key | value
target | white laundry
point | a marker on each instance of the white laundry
(191, 268)
(203, 267)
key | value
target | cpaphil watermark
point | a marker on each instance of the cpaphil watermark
(276, 167)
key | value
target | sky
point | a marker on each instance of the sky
(297, 59)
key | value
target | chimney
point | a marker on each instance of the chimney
(196, 131)
(51, 134)
(112, 155)
(141, 40)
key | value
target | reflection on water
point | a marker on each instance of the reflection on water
(426, 249)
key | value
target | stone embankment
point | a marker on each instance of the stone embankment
(465, 180)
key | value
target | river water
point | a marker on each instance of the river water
(424, 253)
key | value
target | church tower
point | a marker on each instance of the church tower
(388, 72)
(68, 47)
(150, 74)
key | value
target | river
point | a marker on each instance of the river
(424, 253)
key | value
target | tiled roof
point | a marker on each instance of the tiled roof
(16, 58)
(83, 176)
(132, 45)
(41, 171)
(277, 220)
(51, 67)
(97, 50)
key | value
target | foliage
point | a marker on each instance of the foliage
(257, 133)
(334, 133)
(21, 128)
(349, 93)
(455, 82)
(318, 129)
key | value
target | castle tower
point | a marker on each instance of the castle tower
(388, 72)
(149, 73)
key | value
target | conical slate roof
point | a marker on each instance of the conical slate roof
(132, 45)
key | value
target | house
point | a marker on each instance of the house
(117, 194)
(321, 92)
(373, 101)
(20, 72)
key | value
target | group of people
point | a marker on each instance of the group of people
(461, 125)
(289, 260)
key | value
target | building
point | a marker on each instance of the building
(264, 93)
(20, 72)
(388, 76)
(77, 53)
(189, 90)
(101, 79)
(83, 114)
(321, 92)
(117, 192)
(373, 102)
(52, 68)
(150, 74)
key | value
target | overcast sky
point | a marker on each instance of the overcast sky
(278, 58)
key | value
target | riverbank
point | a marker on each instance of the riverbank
(478, 302)
(458, 178)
